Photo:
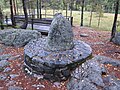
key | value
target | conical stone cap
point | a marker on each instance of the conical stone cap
(60, 36)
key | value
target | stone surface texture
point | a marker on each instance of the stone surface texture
(55, 56)
(116, 39)
(18, 37)
(60, 36)
(88, 76)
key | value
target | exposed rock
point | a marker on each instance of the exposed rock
(116, 39)
(88, 76)
(54, 57)
(60, 36)
(13, 75)
(1, 50)
(5, 57)
(14, 57)
(7, 69)
(3, 77)
(84, 35)
(10, 83)
(38, 86)
(18, 37)
(42, 61)
(15, 88)
(107, 60)
(84, 84)
(3, 64)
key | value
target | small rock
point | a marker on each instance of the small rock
(5, 56)
(10, 83)
(38, 86)
(13, 75)
(14, 57)
(15, 88)
(3, 64)
(1, 50)
(7, 69)
(116, 39)
(99, 43)
(57, 84)
(3, 77)
(84, 35)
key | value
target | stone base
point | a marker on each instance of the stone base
(54, 66)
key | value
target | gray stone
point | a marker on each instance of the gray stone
(56, 56)
(7, 69)
(18, 37)
(107, 60)
(88, 76)
(1, 50)
(15, 88)
(5, 57)
(112, 87)
(38, 86)
(116, 39)
(92, 72)
(84, 35)
(60, 36)
(96, 78)
(3, 64)
(84, 84)
(10, 83)
(13, 75)
(3, 77)
(14, 57)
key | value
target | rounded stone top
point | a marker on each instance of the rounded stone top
(60, 36)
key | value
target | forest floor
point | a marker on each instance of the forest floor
(98, 40)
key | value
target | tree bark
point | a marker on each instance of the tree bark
(24, 26)
(91, 14)
(12, 14)
(82, 13)
(40, 9)
(14, 4)
(115, 20)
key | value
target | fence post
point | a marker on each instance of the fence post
(71, 21)
(6, 19)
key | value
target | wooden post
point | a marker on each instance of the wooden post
(71, 20)
(6, 19)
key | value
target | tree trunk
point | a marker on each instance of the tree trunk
(29, 8)
(40, 10)
(99, 20)
(37, 8)
(115, 20)
(17, 7)
(71, 5)
(82, 13)
(1, 19)
(24, 26)
(12, 14)
(66, 10)
(91, 13)
(14, 5)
